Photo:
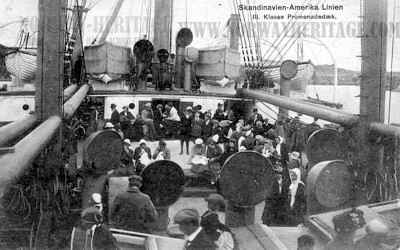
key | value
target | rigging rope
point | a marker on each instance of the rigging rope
(391, 62)
(240, 36)
(245, 48)
(149, 9)
(282, 36)
(186, 13)
(246, 30)
(255, 38)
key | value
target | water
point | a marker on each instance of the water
(349, 97)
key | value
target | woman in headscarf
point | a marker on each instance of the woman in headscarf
(296, 206)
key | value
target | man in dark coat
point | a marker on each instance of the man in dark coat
(133, 210)
(197, 126)
(207, 127)
(196, 238)
(274, 211)
(126, 118)
(115, 118)
(219, 113)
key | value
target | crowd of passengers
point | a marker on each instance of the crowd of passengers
(215, 137)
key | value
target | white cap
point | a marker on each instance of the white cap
(142, 141)
(295, 155)
(215, 138)
(198, 141)
(96, 197)
(109, 125)
(127, 141)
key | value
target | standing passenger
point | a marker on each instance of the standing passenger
(297, 201)
(185, 130)
(133, 210)
(197, 126)
(115, 119)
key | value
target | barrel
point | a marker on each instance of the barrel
(329, 185)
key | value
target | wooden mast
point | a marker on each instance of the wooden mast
(163, 11)
(372, 86)
(50, 60)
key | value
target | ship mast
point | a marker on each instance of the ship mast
(163, 11)
(372, 85)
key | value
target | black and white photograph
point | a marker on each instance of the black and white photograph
(200, 125)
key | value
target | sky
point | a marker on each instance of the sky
(207, 19)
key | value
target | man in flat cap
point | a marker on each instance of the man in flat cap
(133, 210)
(189, 223)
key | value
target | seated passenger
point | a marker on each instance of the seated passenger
(230, 149)
(162, 152)
(126, 118)
(171, 120)
(258, 129)
(172, 113)
(213, 153)
(158, 117)
(198, 158)
(127, 154)
(142, 156)
(248, 141)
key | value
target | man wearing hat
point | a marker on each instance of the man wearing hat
(254, 117)
(133, 210)
(115, 117)
(215, 203)
(149, 129)
(196, 238)
(219, 113)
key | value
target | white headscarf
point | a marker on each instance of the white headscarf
(295, 184)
